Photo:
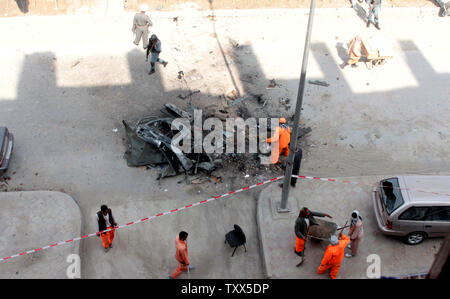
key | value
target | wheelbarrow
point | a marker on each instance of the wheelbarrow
(323, 230)
(376, 50)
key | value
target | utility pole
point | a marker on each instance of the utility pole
(282, 207)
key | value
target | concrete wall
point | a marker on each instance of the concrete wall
(52, 7)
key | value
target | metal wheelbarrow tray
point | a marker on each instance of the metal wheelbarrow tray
(377, 50)
(323, 231)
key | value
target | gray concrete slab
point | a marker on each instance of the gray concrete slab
(34, 219)
(338, 200)
(146, 250)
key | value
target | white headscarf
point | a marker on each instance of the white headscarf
(334, 240)
(354, 220)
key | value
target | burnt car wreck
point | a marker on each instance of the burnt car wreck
(153, 142)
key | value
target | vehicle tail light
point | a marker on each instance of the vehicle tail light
(389, 224)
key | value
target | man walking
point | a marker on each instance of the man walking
(105, 220)
(181, 255)
(281, 139)
(304, 220)
(155, 48)
(296, 167)
(141, 23)
(333, 255)
(374, 10)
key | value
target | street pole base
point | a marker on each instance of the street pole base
(285, 210)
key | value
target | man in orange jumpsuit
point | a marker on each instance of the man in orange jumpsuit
(181, 255)
(282, 137)
(333, 255)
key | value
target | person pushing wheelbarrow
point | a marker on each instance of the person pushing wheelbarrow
(304, 220)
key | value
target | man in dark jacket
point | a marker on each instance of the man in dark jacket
(106, 221)
(304, 220)
(296, 167)
(154, 47)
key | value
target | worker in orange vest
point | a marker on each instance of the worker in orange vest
(333, 255)
(181, 255)
(281, 137)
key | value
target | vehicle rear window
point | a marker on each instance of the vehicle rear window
(391, 195)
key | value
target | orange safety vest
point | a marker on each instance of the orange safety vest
(335, 253)
(283, 135)
(181, 254)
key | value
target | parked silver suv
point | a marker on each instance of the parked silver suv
(406, 206)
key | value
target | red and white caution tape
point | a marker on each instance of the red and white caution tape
(143, 219)
(197, 204)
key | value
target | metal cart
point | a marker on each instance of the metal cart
(323, 231)
(376, 50)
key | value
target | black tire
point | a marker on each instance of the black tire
(415, 238)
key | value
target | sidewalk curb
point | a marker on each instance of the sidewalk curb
(267, 272)
(48, 200)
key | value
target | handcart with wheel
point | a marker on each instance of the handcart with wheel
(376, 50)
(322, 231)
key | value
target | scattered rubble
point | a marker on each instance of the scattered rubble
(237, 101)
(232, 95)
(234, 43)
(75, 64)
(317, 82)
(216, 179)
(188, 94)
(273, 84)
(284, 101)
(4, 183)
(199, 180)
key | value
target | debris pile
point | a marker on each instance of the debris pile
(151, 143)
(4, 183)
